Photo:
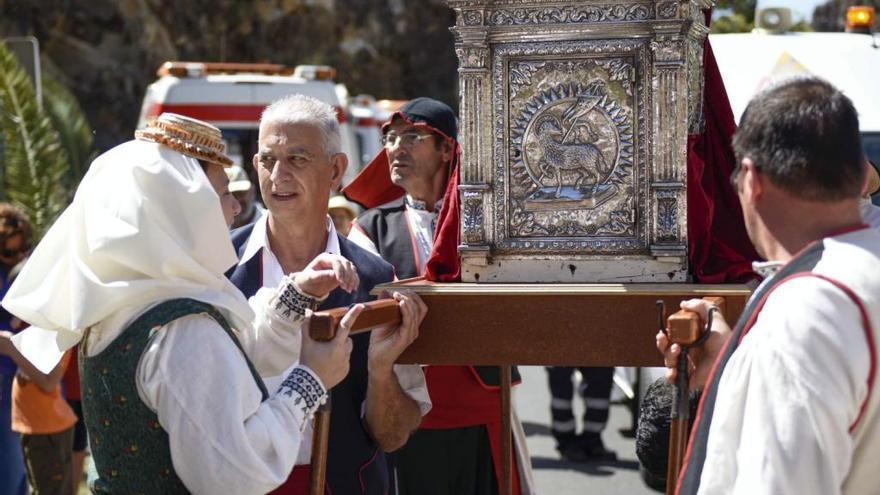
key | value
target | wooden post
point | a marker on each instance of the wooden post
(506, 435)
(319, 449)
(684, 328)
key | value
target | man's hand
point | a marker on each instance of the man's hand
(700, 359)
(388, 343)
(325, 273)
(330, 360)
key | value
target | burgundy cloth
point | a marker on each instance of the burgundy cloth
(298, 483)
(719, 249)
(444, 264)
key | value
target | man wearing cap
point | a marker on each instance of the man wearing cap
(456, 449)
(240, 186)
(342, 212)
(170, 349)
(378, 405)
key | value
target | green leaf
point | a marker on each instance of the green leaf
(76, 135)
(34, 164)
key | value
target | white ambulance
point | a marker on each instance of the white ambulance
(232, 97)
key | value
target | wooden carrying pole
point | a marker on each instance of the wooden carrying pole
(322, 327)
(684, 328)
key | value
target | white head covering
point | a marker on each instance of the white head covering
(145, 226)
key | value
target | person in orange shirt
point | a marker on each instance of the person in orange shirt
(45, 421)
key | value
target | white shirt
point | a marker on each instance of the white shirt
(796, 385)
(422, 224)
(410, 376)
(222, 438)
(870, 212)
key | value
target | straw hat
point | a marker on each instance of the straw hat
(873, 186)
(238, 179)
(339, 202)
(188, 136)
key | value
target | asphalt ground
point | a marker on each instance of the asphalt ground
(554, 476)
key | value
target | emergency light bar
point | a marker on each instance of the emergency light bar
(860, 19)
(201, 69)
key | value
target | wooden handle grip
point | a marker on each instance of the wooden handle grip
(685, 327)
(382, 312)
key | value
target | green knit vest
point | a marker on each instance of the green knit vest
(129, 447)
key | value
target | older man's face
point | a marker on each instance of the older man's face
(295, 172)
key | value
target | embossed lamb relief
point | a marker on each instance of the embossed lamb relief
(574, 126)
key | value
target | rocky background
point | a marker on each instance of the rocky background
(107, 52)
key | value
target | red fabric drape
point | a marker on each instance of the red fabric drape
(372, 186)
(719, 249)
(444, 264)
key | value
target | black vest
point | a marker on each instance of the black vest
(355, 464)
(388, 228)
(689, 481)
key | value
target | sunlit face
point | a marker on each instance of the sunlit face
(341, 219)
(220, 182)
(295, 172)
(418, 161)
(12, 251)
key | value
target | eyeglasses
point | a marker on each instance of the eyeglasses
(407, 139)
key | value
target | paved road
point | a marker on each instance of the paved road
(554, 476)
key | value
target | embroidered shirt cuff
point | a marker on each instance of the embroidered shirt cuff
(305, 388)
(290, 302)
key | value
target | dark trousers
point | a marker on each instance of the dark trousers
(595, 390)
(454, 461)
(47, 460)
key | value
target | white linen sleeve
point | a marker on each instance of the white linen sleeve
(222, 438)
(805, 374)
(412, 381)
(274, 342)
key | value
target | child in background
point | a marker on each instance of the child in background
(45, 421)
(15, 242)
(80, 437)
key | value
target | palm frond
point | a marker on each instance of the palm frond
(33, 159)
(74, 130)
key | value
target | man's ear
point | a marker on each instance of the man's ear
(754, 183)
(447, 150)
(338, 166)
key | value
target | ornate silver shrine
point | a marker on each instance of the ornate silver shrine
(574, 125)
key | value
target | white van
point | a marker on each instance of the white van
(850, 61)
(232, 97)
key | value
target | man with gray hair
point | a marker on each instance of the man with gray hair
(378, 405)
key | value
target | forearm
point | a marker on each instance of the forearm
(390, 415)
(46, 382)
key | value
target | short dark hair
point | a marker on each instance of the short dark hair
(804, 135)
(14, 222)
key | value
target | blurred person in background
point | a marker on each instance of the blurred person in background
(15, 240)
(241, 187)
(342, 212)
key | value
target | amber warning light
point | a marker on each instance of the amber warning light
(860, 19)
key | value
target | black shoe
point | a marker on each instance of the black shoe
(572, 452)
(594, 449)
